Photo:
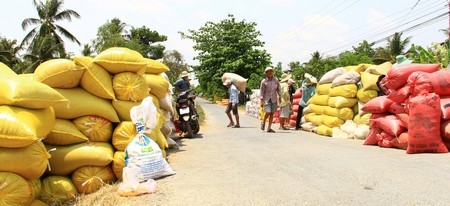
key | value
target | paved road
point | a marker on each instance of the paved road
(245, 166)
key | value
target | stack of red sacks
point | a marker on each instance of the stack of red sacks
(413, 116)
(295, 102)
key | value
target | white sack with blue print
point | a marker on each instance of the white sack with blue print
(143, 152)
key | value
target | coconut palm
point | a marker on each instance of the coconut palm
(49, 12)
(9, 52)
(396, 45)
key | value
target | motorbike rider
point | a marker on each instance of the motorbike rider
(183, 83)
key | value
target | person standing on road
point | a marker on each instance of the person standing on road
(270, 90)
(290, 83)
(232, 104)
(183, 83)
(285, 103)
(308, 90)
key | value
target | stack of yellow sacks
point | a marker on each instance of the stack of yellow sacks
(85, 122)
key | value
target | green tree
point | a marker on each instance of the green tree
(147, 39)
(112, 34)
(9, 53)
(227, 46)
(87, 50)
(46, 30)
(365, 48)
(396, 45)
(176, 63)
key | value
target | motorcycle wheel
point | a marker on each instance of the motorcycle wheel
(195, 127)
(188, 129)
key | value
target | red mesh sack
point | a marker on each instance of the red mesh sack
(445, 107)
(384, 140)
(437, 82)
(371, 138)
(445, 130)
(424, 125)
(398, 76)
(397, 108)
(401, 142)
(400, 95)
(404, 118)
(390, 124)
(378, 104)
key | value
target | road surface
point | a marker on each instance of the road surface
(246, 166)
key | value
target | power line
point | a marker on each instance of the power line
(384, 31)
(408, 29)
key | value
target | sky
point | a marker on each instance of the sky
(291, 29)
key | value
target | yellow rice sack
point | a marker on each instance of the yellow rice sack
(37, 202)
(319, 99)
(20, 127)
(66, 159)
(82, 103)
(331, 121)
(22, 92)
(345, 113)
(381, 69)
(36, 187)
(88, 179)
(118, 164)
(324, 130)
(159, 86)
(15, 190)
(340, 102)
(366, 95)
(97, 129)
(57, 190)
(30, 162)
(65, 133)
(323, 89)
(120, 59)
(123, 107)
(123, 134)
(95, 79)
(59, 73)
(28, 76)
(318, 109)
(155, 66)
(130, 86)
(369, 81)
(316, 119)
(5, 71)
(346, 90)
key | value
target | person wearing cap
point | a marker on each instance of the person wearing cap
(183, 83)
(285, 103)
(308, 90)
(270, 93)
(232, 104)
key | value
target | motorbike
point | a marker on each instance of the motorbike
(187, 120)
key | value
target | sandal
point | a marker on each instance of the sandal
(271, 131)
(236, 126)
(230, 125)
(263, 125)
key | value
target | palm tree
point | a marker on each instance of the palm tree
(112, 34)
(396, 45)
(48, 13)
(9, 52)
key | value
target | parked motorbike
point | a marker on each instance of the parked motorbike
(187, 120)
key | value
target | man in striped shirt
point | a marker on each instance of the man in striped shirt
(270, 96)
